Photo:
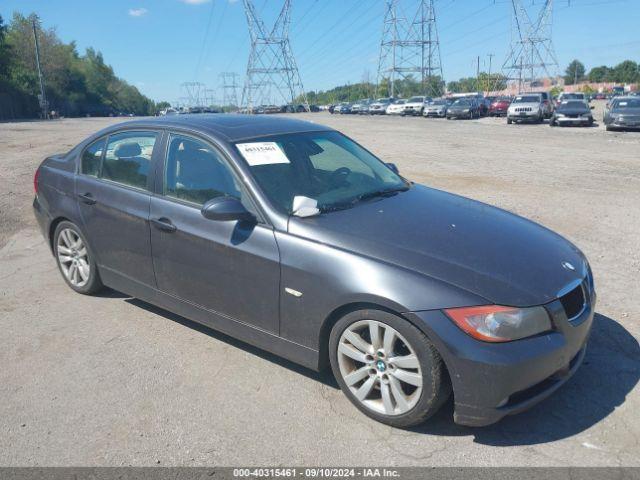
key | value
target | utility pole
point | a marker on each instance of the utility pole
(478, 75)
(410, 46)
(532, 54)
(271, 62)
(42, 97)
(489, 79)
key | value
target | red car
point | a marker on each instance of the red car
(499, 107)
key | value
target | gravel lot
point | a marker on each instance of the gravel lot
(109, 381)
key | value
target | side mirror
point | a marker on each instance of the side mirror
(225, 209)
(394, 168)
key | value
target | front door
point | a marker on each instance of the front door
(230, 268)
(114, 198)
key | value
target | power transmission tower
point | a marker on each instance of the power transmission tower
(42, 97)
(209, 97)
(194, 92)
(410, 46)
(229, 82)
(532, 55)
(271, 69)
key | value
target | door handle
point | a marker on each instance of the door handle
(87, 198)
(163, 224)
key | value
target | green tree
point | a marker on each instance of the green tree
(574, 73)
(626, 72)
(600, 74)
(74, 84)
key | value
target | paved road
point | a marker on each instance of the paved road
(111, 380)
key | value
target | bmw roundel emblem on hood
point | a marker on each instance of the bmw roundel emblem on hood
(568, 266)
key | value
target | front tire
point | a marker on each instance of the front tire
(75, 259)
(387, 368)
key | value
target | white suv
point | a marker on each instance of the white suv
(527, 107)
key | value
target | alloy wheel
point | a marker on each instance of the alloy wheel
(380, 367)
(73, 257)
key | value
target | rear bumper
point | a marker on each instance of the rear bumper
(493, 380)
(42, 218)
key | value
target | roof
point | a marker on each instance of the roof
(230, 127)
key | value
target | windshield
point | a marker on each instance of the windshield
(384, 100)
(462, 101)
(324, 166)
(568, 96)
(627, 103)
(438, 102)
(399, 102)
(416, 100)
(527, 99)
(573, 105)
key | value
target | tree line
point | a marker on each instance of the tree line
(75, 85)
(624, 72)
(407, 87)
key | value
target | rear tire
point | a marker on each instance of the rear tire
(75, 259)
(397, 378)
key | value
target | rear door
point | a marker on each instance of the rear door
(230, 268)
(113, 191)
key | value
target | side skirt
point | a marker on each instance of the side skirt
(270, 342)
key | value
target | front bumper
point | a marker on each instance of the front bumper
(434, 113)
(493, 380)
(524, 116)
(454, 115)
(574, 121)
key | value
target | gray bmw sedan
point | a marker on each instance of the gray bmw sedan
(292, 237)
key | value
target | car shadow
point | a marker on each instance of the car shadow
(324, 377)
(610, 371)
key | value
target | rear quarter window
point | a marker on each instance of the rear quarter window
(127, 158)
(91, 158)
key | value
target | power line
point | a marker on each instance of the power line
(410, 45)
(229, 87)
(272, 72)
(532, 55)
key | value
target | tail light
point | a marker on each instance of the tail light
(36, 177)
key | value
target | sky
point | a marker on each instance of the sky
(159, 44)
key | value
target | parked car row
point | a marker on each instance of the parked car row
(568, 108)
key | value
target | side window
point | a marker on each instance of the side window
(195, 172)
(128, 158)
(90, 162)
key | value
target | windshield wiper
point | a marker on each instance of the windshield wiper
(386, 192)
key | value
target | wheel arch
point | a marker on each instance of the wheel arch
(52, 228)
(341, 311)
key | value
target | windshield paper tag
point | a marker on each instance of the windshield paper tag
(262, 153)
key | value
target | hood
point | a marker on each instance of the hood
(489, 252)
(460, 107)
(525, 105)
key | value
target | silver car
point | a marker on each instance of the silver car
(436, 108)
(622, 113)
(526, 108)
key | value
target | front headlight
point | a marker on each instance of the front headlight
(466, 110)
(560, 115)
(495, 323)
